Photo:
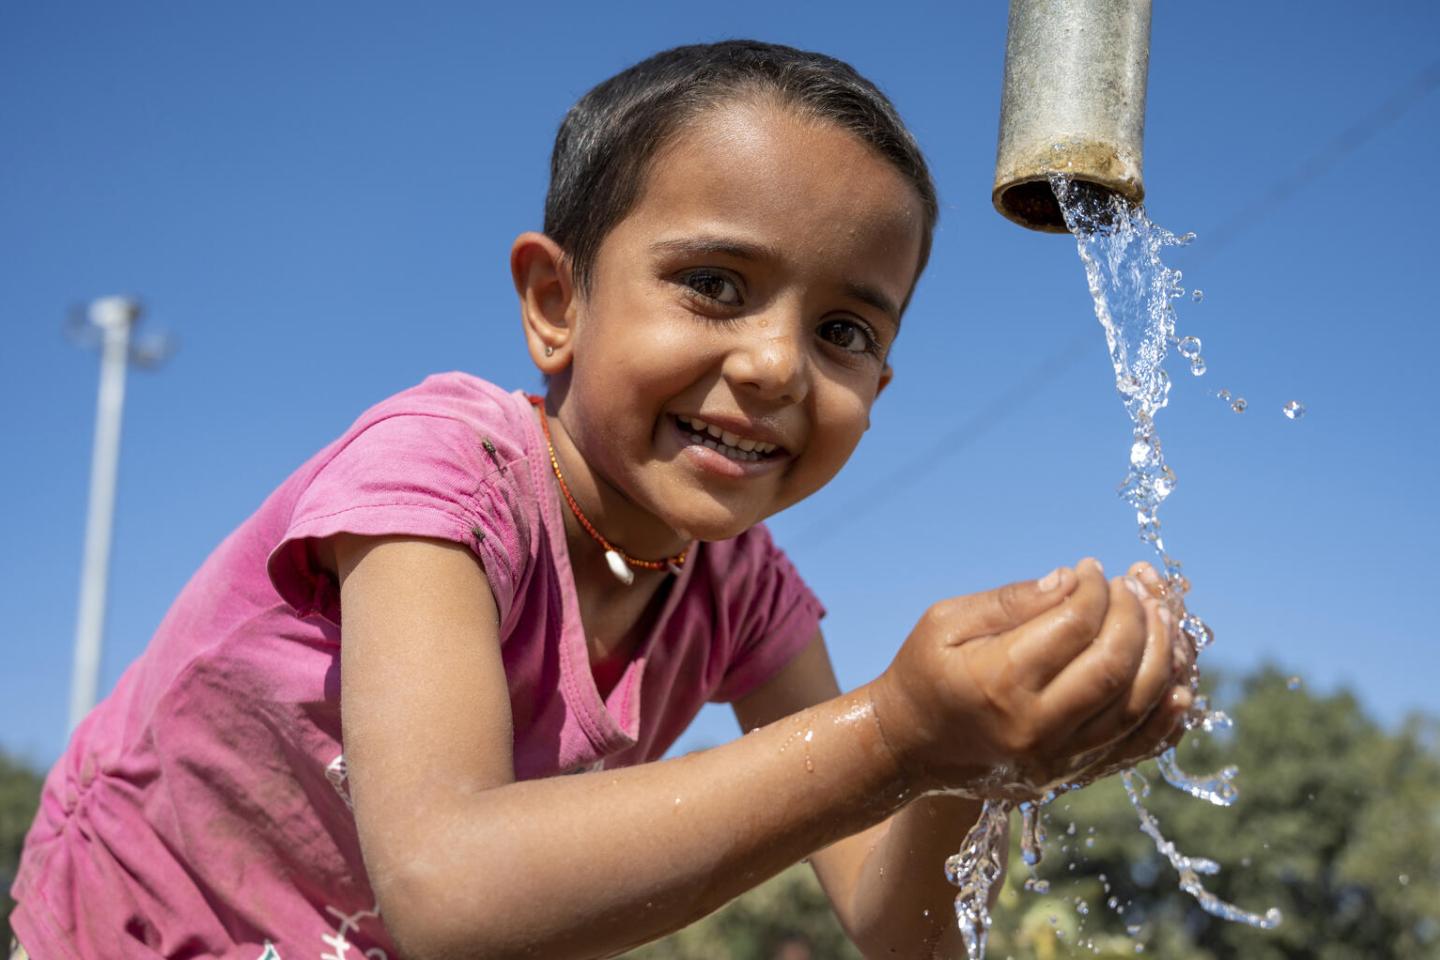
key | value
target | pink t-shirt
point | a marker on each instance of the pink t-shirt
(202, 809)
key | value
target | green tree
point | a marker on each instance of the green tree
(19, 798)
(1337, 825)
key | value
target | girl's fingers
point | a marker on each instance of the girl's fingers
(1004, 608)
(1045, 646)
(1148, 578)
(1152, 682)
(1160, 731)
(1105, 671)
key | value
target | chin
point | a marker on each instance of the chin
(712, 525)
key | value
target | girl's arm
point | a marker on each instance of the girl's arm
(467, 862)
(886, 883)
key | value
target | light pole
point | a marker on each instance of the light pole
(108, 323)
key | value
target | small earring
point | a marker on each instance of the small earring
(549, 351)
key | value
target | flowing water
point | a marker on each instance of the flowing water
(1134, 293)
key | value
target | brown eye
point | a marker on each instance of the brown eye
(848, 336)
(713, 286)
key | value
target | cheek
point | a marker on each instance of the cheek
(846, 415)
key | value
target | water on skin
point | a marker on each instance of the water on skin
(1133, 293)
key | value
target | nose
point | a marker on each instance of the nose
(769, 360)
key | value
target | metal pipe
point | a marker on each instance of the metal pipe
(1073, 103)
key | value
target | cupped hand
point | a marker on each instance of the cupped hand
(1039, 683)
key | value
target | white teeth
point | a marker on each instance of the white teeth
(730, 444)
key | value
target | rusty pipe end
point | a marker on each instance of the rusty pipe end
(1022, 192)
(1073, 103)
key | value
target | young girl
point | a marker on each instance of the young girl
(346, 738)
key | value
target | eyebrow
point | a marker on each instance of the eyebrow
(741, 249)
(745, 250)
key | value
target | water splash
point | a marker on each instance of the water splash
(975, 869)
(1134, 293)
(1190, 868)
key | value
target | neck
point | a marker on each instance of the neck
(629, 528)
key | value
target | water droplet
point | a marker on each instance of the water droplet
(1197, 295)
(1184, 238)
(1197, 630)
(1113, 903)
(1404, 879)
(1081, 907)
(1189, 347)
(1037, 885)
(1293, 683)
(1223, 394)
(1070, 830)
(1239, 405)
(1089, 842)
(1133, 929)
(1165, 483)
(1197, 367)
(1294, 409)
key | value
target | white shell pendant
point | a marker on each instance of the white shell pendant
(619, 567)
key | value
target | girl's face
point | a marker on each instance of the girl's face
(754, 290)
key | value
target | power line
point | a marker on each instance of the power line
(1362, 131)
(1351, 138)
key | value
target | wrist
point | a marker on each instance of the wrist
(895, 728)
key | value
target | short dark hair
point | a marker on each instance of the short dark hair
(609, 138)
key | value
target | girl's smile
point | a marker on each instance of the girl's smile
(745, 452)
(723, 362)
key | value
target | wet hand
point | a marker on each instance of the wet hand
(1038, 683)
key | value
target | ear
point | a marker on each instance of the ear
(886, 375)
(547, 300)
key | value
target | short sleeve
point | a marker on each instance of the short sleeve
(778, 617)
(408, 474)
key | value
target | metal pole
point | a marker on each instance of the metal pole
(115, 317)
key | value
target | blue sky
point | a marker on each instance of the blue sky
(318, 201)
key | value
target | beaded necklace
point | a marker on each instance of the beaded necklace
(619, 561)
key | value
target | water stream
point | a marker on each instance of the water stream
(1134, 293)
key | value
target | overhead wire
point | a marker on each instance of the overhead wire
(1033, 383)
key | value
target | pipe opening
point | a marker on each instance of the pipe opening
(1032, 203)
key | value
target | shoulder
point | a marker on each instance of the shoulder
(446, 459)
(499, 418)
